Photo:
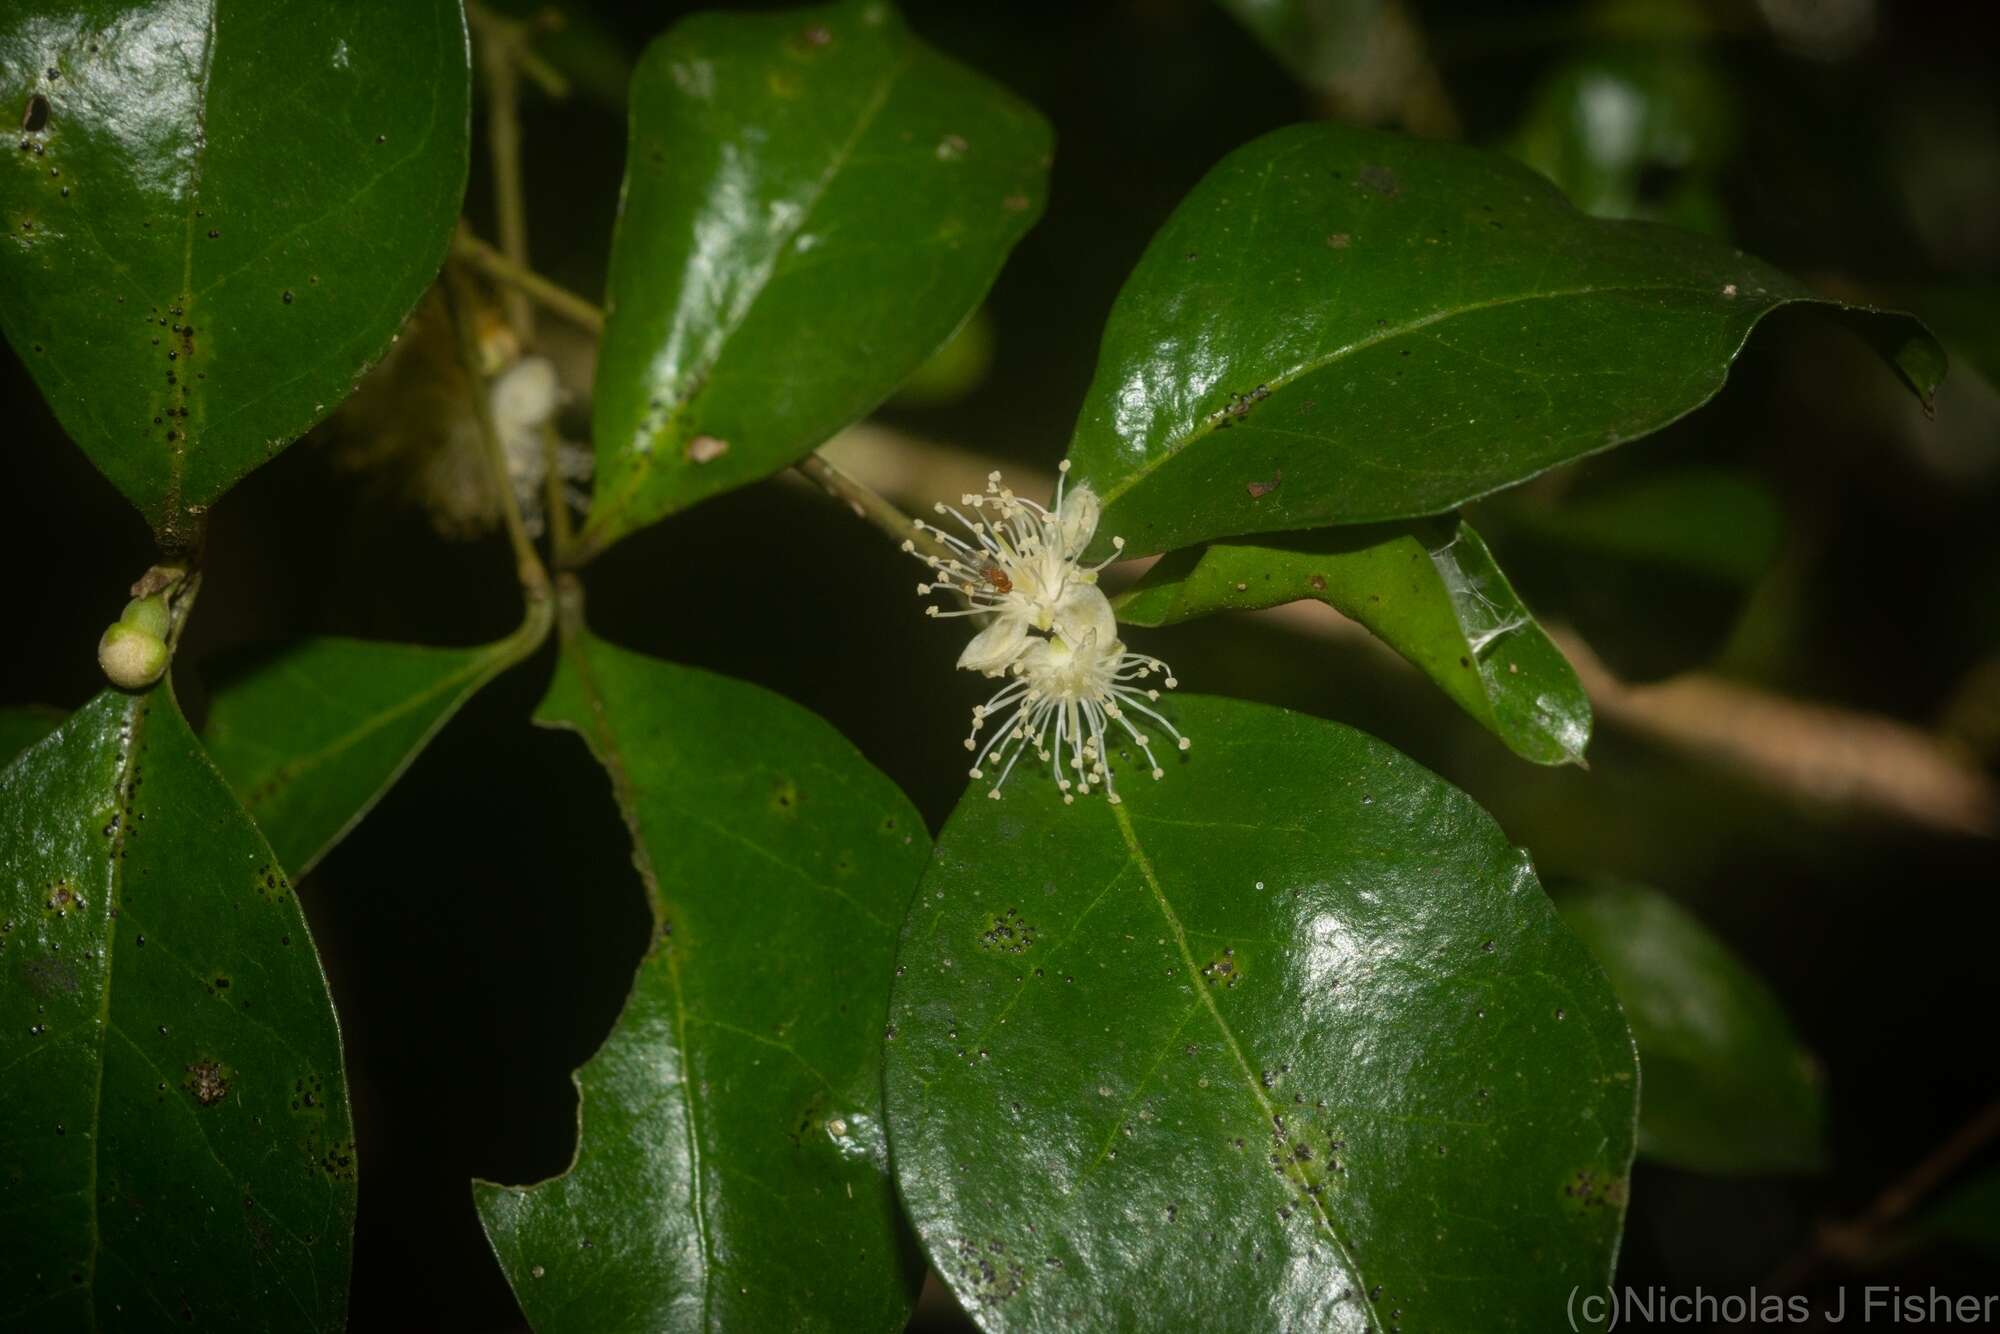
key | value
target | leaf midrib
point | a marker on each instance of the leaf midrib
(177, 460)
(131, 739)
(1252, 1084)
(1171, 449)
(640, 468)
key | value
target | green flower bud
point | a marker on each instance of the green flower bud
(131, 657)
(148, 614)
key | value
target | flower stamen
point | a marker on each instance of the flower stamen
(1050, 632)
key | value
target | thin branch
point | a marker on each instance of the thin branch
(180, 606)
(864, 501)
(1857, 1241)
(1837, 757)
(504, 49)
(562, 530)
(1841, 758)
(558, 299)
(528, 565)
(517, 36)
(497, 56)
(1902, 1196)
(868, 504)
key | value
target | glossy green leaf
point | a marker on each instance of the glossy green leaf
(218, 217)
(1291, 1039)
(731, 1170)
(1429, 589)
(1340, 326)
(1727, 1087)
(22, 727)
(311, 734)
(814, 200)
(175, 1145)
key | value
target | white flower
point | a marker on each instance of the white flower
(1022, 568)
(524, 399)
(1053, 633)
(1061, 703)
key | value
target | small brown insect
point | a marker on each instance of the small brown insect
(997, 577)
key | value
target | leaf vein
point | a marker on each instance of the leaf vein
(1251, 1083)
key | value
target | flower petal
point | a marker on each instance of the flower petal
(995, 648)
(1082, 610)
(1077, 521)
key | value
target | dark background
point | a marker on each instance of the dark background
(480, 927)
